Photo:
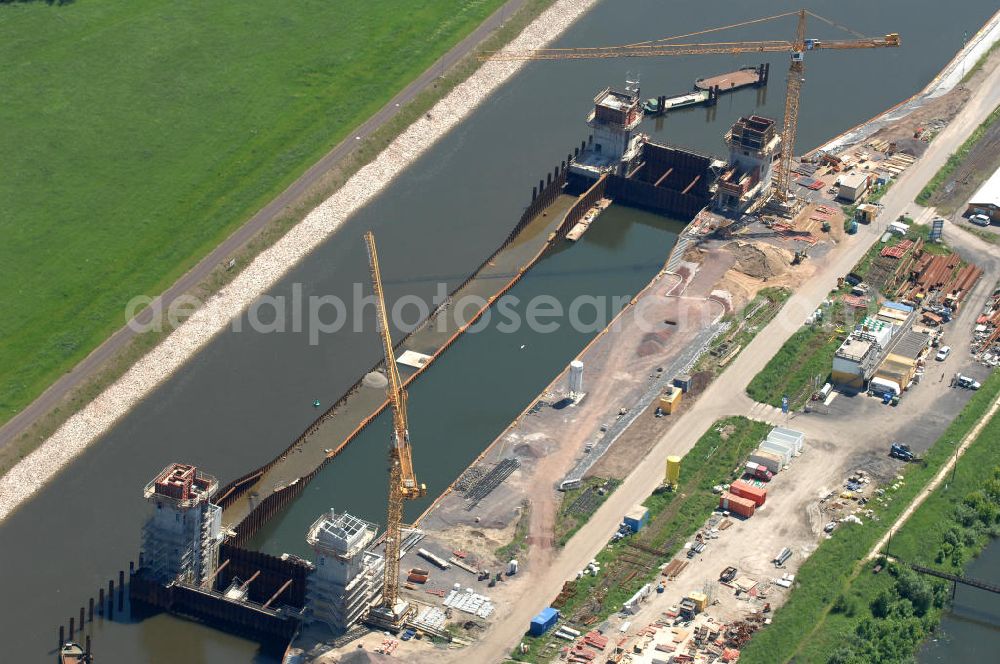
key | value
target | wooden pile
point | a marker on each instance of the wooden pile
(896, 164)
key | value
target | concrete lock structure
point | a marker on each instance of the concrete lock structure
(180, 541)
(348, 577)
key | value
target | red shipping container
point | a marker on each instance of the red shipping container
(417, 578)
(749, 491)
(736, 504)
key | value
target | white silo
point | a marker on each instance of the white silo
(576, 377)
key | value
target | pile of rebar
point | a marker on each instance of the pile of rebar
(490, 481)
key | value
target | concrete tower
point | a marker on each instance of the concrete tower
(614, 142)
(753, 148)
(576, 377)
(348, 578)
(180, 541)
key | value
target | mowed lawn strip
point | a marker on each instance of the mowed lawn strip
(139, 135)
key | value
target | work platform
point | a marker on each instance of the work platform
(735, 80)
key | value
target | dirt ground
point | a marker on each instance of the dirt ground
(937, 111)
(803, 498)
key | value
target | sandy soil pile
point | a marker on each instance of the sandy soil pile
(760, 260)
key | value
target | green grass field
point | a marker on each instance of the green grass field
(138, 135)
(802, 364)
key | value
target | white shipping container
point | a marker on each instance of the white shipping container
(781, 449)
(770, 461)
(789, 435)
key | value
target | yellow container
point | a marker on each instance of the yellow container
(700, 600)
(673, 470)
(670, 401)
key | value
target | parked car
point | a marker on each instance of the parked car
(900, 451)
(943, 353)
(967, 382)
(979, 220)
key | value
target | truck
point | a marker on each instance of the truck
(758, 471)
(901, 452)
(967, 382)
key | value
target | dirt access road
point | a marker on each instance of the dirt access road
(294, 195)
(726, 395)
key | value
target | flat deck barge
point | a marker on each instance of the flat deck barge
(733, 80)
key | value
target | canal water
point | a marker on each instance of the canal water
(247, 395)
(468, 396)
(970, 631)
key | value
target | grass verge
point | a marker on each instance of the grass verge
(673, 518)
(745, 326)
(519, 542)
(943, 175)
(579, 504)
(802, 364)
(815, 622)
(21, 392)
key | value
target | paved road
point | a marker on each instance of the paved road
(726, 395)
(221, 254)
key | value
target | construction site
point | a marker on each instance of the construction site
(677, 581)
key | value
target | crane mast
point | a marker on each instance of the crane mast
(668, 46)
(402, 478)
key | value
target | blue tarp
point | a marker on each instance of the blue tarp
(898, 306)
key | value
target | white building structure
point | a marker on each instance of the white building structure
(180, 540)
(348, 577)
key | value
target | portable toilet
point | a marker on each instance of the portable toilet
(636, 518)
(673, 470)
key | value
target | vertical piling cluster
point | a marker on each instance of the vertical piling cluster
(104, 606)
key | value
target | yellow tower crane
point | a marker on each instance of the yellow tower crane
(668, 46)
(402, 479)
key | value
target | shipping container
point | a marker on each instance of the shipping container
(796, 438)
(737, 505)
(783, 450)
(416, 578)
(748, 491)
(671, 400)
(770, 461)
(636, 518)
(544, 621)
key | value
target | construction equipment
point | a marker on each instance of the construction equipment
(796, 47)
(402, 480)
